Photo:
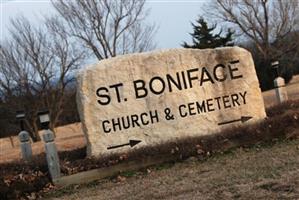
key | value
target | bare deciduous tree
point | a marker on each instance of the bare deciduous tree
(262, 21)
(36, 67)
(106, 27)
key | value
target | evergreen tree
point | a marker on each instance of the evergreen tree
(202, 36)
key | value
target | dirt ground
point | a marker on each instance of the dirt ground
(67, 138)
(256, 173)
(292, 89)
(71, 136)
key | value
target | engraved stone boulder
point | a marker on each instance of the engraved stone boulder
(150, 98)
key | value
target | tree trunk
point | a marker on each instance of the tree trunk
(34, 134)
(11, 141)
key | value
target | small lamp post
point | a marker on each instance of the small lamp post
(24, 137)
(44, 119)
(275, 66)
(279, 84)
(50, 147)
(20, 116)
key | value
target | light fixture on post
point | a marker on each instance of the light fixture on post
(275, 66)
(20, 116)
(44, 119)
(279, 84)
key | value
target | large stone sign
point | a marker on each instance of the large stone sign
(134, 100)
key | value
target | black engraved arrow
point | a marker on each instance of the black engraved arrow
(131, 143)
(242, 119)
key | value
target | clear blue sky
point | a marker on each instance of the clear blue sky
(172, 16)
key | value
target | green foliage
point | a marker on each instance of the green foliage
(128, 173)
(203, 37)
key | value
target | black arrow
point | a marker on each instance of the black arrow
(131, 143)
(242, 119)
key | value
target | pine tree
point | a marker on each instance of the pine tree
(202, 36)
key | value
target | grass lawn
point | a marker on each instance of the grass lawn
(260, 161)
(259, 172)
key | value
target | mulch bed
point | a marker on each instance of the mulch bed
(24, 180)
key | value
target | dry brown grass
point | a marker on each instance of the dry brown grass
(260, 172)
(292, 89)
(68, 137)
(282, 124)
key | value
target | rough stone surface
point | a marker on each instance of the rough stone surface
(224, 88)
